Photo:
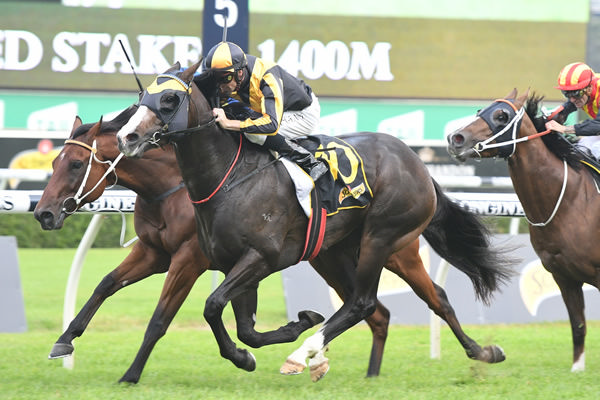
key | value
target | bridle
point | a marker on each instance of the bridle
(179, 117)
(508, 137)
(78, 197)
(505, 135)
(163, 134)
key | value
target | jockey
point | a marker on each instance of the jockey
(581, 87)
(285, 106)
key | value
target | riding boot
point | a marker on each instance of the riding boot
(297, 154)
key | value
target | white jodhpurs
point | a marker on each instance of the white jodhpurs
(295, 123)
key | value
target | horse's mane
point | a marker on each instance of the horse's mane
(108, 126)
(207, 85)
(556, 143)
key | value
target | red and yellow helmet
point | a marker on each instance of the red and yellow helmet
(575, 76)
(225, 56)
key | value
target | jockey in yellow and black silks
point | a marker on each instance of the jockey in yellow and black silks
(284, 106)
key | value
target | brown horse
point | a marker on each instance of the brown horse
(257, 228)
(167, 236)
(559, 197)
(164, 221)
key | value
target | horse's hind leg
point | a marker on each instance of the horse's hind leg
(408, 265)
(139, 264)
(572, 294)
(244, 307)
(184, 270)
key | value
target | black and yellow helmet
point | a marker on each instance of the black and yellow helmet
(225, 56)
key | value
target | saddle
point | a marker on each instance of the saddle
(586, 158)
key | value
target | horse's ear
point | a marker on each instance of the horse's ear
(188, 74)
(94, 130)
(76, 124)
(174, 68)
(523, 97)
(512, 95)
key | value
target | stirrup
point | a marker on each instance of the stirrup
(317, 171)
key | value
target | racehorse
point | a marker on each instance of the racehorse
(559, 197)
(257, 227)
(160, 231)
(164, 222)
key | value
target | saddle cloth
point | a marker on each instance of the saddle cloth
(345, 186)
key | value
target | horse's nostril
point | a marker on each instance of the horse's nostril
(132, 137)
(458, 139)
(46, 219)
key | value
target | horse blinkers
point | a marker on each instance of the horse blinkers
(498, 116)
(170, 101)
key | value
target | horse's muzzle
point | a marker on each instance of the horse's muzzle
(457, 147)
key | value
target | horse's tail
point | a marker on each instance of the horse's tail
(462, 239)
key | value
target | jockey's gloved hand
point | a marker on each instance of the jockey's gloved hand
(571, 137)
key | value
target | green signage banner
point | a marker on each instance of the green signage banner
(408, 120)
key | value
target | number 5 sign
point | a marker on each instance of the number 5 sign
(225, 14)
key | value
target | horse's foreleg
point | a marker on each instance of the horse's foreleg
(246, 274)
(244, 308)
(136, 266)
(183, 273)
(572, 294)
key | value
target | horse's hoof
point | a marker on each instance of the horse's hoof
(312, 316)
(128, 379)
(291, 367)
(61, 350)
(250, 362)
(496, 354)
(318, 371)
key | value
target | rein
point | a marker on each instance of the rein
(514, 123)
(224, 178)
(163, 133)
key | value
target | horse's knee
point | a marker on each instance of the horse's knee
(213, 308)
(365, 307)
(105, 286)
(250, 337)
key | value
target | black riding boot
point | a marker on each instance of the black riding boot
(297, 154)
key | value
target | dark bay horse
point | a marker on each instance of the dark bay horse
(559, 197)
(257, 228)
(164, 221)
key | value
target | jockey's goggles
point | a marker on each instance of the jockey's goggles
(576, 94)
(225, 78)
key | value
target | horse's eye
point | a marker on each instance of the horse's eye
(76, 164)
(168, 102)
(502, 116)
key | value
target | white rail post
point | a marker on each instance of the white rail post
(74, 274)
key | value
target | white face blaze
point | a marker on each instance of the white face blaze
(143, 120)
